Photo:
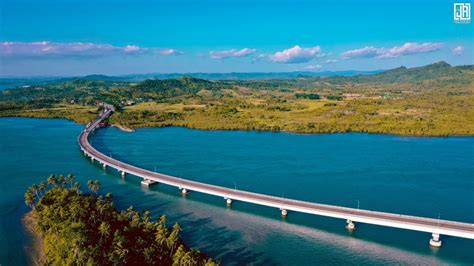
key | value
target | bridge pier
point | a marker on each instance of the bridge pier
(228, 201)
(92, 159)
(435, 241)
(350, 225)
(147, 182)
(184, 191)
(123, 174)
(104, 165)
(284, 212)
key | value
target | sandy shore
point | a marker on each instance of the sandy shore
(35, 247)
(123, 128)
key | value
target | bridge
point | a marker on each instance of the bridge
(435, 227)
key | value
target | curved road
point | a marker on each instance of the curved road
(442, 227)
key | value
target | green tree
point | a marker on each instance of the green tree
(52, 180)
(62, 180)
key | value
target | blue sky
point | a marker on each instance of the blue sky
(70, 37)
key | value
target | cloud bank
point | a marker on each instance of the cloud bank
(396, 51)
(296, 55)
(48, 49)
(231, 53)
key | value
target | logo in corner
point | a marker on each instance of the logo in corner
(462, 12)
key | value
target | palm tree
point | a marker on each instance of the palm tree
(52, 180)
(70, 178)
(35, 189)
(146, 216)
(97, 186)
(104, 229)
(90, 185)
(43, 186)
(178, 255)
(29, 198)
(76, 187)
(108, 196)
(172, 239)
(93, 186)
(62, 180)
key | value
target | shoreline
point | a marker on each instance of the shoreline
(123, 128)
(34, 247)
(129, 129)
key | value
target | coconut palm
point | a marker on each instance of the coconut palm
(93, 186)
(62, 180)
(35, 189)
(97, 186)
(43, 186)
(30, 198)
(76, 187)
(104, 229)
(52, 180)
(70, 179)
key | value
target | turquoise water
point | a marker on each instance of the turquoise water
(418, 176)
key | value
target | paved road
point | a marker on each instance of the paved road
(429, 225)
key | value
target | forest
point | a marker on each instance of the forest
(84, 228)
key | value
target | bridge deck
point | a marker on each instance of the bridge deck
(443, 227)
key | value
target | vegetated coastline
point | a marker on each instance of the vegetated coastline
(69, 227)
(434, 100)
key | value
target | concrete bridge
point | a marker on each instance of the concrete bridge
(435, 227)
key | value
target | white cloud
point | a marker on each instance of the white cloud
(313, 67)
(331, 61)
(411, 48)
(396, 51)
(297, 54)
(231, 53)
(73, 49)
(170, 52)
(458, 50)
(368, 51)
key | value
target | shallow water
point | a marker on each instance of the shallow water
(418, 176)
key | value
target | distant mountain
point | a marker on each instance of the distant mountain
(256, 75)
(400, 74)
(29, 81)
(436, 72)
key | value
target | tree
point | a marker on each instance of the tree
(90, 185)
(104, 229)
(80, 229)
(29, 198)
(93, 186)
(76, 187)
(172, 239)
(119, 253)
(52, 180)
(161, 232)
(96, 186)
(35, 189)
(70, 179)
(42, 186)
(62, 180)
(178, 255)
